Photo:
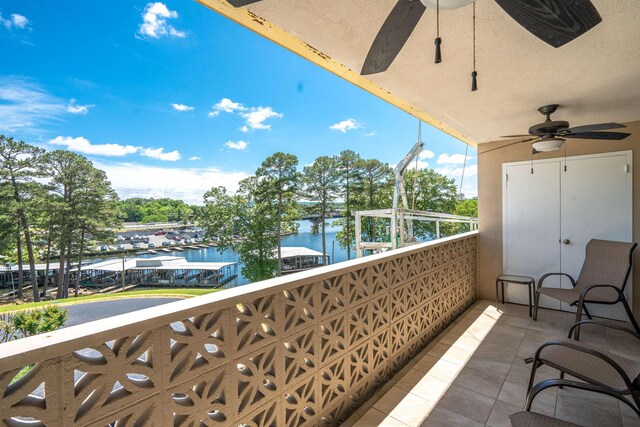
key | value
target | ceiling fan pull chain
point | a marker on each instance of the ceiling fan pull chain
(438, 40)
(474, 73)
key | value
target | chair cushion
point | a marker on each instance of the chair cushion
(532, 419)
(591, 368)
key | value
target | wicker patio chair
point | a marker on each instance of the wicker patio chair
(598, 370)
(604, 274)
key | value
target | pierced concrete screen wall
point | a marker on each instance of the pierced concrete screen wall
(307, 349)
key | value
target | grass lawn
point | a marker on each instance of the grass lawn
(180, 293)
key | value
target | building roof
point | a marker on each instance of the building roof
(294, 251)
(155, 263)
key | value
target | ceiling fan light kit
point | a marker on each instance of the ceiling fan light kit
(547, 144)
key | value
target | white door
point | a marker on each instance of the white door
(595, 203)
(531, 203)
(550, 215)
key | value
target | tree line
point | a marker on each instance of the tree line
(253, 219)
(146, 210)
(52, 206)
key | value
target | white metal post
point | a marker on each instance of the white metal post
(358, 235)
(437, 229)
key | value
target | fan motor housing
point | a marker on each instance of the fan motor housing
(548, 128)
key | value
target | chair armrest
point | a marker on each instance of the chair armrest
(573, 282)
(605, 324)
(589, 288)
(590, 351)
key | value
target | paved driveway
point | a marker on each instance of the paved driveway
(89, 311)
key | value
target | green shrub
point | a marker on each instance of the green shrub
(31, 322)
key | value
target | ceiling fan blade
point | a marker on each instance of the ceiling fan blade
(555, 22)
(591, 128)
(514, 136)
(509, 145)
(392, 36)
(598, 135)
(240, 3)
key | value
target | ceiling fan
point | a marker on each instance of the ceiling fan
(550, 135)
(555, 22)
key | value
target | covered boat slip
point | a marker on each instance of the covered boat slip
(162, 270)
(299, 258)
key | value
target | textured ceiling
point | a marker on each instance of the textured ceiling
(595, 78)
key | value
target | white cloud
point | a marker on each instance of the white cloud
(239, 145)
(426, 154)
(370, 133)
(154, 22)
(25, 106)
(451, 159)
(456, 172)
(75, 108)
(159, 154)
(182, 107)
(15, 20)
(192, 158)
(256, 117)
(345, 125)
(422, 165)
(226, 105)
(189, 184)
(84, 146)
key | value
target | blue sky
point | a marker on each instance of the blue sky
(171, 98)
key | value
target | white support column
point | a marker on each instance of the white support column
(437, 229)
(358, 235)
(401, 225)
(394, 229)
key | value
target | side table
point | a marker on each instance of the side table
(520, 280)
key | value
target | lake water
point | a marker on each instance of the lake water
(304, 237)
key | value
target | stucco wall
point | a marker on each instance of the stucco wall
(490, 200)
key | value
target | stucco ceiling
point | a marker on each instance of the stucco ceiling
(595, 78)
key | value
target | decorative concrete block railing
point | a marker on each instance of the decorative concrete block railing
(305, 349)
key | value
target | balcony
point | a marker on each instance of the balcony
(306, 349)
(474, 374)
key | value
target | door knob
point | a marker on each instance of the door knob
(566, 241)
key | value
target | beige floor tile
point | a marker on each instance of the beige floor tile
(516, 395)
(425, 363)
(488, 365)
(445, 370)
(443, 417)
(587, 409)
(404, 407)
(468, 403)
(480, 382)
(629, 417)
(374, 417)
(430, 388)
(500, 414)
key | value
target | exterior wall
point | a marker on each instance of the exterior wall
(490, 200)
(306, 349)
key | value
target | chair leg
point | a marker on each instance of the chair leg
(536, 300)
(576, 331)
(584, 307)
(630, 314)
(561, 377)
(534, 367)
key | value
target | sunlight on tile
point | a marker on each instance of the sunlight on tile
(420, 390)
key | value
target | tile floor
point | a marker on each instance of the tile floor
(475, 375)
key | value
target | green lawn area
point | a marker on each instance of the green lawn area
(180, 293)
